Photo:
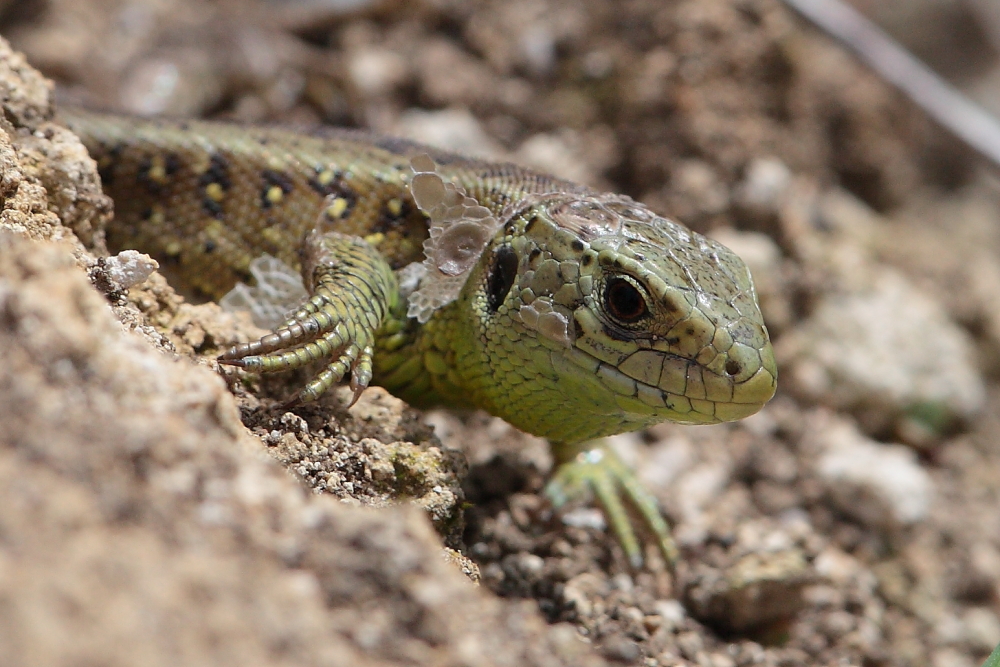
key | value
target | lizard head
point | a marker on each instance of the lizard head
(588, 314)
(625, 317)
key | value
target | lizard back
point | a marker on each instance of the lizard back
(207, 198)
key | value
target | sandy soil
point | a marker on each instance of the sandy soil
(854, 521)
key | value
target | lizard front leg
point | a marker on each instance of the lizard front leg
(592, 469)
(353, 288)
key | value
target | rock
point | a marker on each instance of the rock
(144, 525)
(860, 351)
(377, 71)
(118, 273)
(764, 187)
(881, 485)
(981, 629)
(452, 129)
(757, 590)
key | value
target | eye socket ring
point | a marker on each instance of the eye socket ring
(624, 301)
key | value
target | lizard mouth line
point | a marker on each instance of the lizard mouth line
(606, 369)
(695, 401)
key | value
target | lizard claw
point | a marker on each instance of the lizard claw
(348, 358)
(336, 325)
(598, 472)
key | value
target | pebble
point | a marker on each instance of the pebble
(377, 71)
(881, 485)
(981, 629)
(767, 180)
(128, 268)
(453, 129)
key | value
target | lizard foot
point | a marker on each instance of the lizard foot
(353, 288)
(596, 471)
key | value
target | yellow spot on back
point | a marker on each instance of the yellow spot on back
(173, 248)
(214, 192)
(275, 194)
(156, 216)
(157, 171)
(272, 235)
(395, 206)
(325, 177)
(375, 239)
(215, 230)
(337, 208)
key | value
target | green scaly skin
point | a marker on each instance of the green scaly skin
(582, 314)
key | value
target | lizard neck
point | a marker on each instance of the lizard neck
(419, 362)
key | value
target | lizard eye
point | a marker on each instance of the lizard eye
(624, 301)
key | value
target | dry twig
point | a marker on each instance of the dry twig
(942, 101)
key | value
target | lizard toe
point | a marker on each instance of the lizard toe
(596, 472)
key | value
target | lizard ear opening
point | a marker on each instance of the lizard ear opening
(460, 229)
(501, 278)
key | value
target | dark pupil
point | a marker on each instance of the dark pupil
(624, 301)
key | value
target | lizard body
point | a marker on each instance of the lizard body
(570, 313)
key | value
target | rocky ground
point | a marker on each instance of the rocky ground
(149, 516)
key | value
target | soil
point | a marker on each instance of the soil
(149, 516)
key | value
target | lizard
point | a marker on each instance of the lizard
(572, 314)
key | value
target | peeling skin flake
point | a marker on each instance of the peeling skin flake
(460, 229)
(278, 291)
(541, 316)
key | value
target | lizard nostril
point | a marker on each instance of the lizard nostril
(733, 367)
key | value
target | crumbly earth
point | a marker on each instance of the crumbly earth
(854, 521)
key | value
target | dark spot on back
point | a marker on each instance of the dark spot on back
(217, 172)
(212, 208)
(388, 220)
(172, 163)
(210, 247)
(531, 223)
(278, 178)
(107, 162)
(577, 245)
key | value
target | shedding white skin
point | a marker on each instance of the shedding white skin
(546, 320)
(460, 229)
(278, 291)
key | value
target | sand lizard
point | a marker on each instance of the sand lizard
(570, 313)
